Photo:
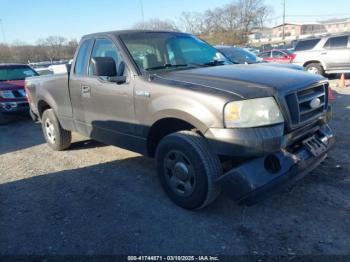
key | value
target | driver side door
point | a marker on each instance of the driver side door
(107, 108)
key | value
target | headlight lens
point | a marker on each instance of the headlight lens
(6, 94)
(252, 113)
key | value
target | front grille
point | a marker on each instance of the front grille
(307, 104)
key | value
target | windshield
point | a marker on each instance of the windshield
(240, 56)
(16, 73)
(170, 51)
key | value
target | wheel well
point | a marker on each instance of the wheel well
(163, 128)
(42, 106)
(313, 62)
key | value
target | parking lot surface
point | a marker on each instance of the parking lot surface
(98, 199)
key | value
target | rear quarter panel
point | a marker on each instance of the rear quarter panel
(52, 89)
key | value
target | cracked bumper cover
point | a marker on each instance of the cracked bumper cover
(252, 181)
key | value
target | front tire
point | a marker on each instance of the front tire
(188, 169)
(56, 137)
(315, 68)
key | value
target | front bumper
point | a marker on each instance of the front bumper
(259, 178)
(15, 106)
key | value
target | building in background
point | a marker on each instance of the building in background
(298, 29)
(334, 26)
(295, 31)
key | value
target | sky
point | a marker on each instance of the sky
(27, 21)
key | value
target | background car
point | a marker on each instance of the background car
(280, 56)
(324, 55)
(12, 94)
(242, 56)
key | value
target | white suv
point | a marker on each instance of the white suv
(324, 55)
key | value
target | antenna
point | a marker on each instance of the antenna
(142, 12)
(284, 19)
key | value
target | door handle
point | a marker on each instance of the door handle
(85, 89)
(323, 53)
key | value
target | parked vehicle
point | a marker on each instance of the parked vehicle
(241, 56)
(252, 50)
(210, 125)
(279, 56)
(324, 55)
(12, 95)
(44, 71)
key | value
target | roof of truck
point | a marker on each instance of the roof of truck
(122, 32)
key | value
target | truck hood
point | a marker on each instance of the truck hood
(245, 81)
(12, 85)
(283, 65)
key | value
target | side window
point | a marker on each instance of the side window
(306, 44)
(265, 55)
(145, 55)
(83, 57)
(106, 48)
(337, 42)
(277, 54)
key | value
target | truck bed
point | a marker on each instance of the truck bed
(55, 90)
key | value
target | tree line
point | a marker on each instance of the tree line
(52, 48)
(229, 24)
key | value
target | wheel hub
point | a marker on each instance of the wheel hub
(181, 171)
(313, 70)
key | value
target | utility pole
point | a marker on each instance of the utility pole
(2, 31)
(284, 18)
(142, 13)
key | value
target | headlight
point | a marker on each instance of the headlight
(6, 94)
(252, 113)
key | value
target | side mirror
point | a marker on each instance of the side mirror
(103, 66)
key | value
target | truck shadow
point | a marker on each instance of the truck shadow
(118, 207)
(85, 144)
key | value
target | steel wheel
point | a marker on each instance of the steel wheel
(313, 70)
(50, 131)
(179, 173)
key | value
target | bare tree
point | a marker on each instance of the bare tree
(192, 22)
(51, 48)
(5, 53)
(228, 24)
(156, 24)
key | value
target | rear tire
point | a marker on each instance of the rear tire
(315, 68)
(188, 169)
(56, 137)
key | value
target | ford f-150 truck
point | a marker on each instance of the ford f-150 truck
(210, 125)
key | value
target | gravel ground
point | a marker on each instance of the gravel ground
(97, 199)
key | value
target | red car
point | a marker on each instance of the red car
(279, 56)
(12, 95)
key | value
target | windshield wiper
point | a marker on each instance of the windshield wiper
(166, 66)
(215, 63)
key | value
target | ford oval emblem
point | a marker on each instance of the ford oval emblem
(315, 103)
